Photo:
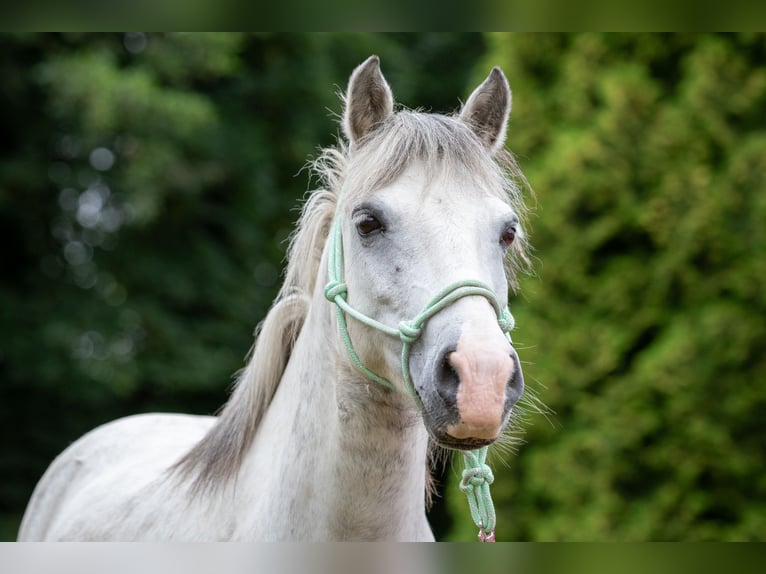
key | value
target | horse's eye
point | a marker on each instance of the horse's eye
(368, 225)
(507, 237)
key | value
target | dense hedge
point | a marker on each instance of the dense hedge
(644, 330)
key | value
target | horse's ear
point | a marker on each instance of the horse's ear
(487, 110)
(369, 100)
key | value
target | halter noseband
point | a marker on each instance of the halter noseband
(477, 475)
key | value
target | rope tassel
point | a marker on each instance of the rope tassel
(475, 482)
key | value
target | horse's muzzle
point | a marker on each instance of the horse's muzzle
(477, 388)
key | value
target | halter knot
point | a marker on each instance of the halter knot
(333, 289)
(409, 332)
(506, 321)
(475, 477)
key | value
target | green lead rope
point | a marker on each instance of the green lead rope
(475, 482)
(477, 475)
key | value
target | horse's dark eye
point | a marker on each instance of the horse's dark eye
(367, 225)
(507, 237)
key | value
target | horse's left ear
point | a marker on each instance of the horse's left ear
(487, 110)
(369, 100)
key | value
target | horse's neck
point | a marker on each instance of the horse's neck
(336, 457)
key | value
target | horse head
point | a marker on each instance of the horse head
(428, 208)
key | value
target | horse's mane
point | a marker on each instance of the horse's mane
(440, 143)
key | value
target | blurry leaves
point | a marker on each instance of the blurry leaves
(192, 59)
(90, 89)
(159, 129)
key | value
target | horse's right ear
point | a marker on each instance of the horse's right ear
(369, 100)
(487, 110)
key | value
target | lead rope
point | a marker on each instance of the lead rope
(477, 475)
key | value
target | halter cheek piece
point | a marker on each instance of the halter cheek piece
(477, 475)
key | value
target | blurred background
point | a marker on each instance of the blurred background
(148, 183)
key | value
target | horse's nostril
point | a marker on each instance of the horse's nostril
(448, 372)
(515, 386)
(448, 380)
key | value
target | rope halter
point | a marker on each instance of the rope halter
(477, 476)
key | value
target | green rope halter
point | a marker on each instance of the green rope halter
(477, 475)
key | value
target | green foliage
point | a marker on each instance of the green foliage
(644, 330)
(147, 185)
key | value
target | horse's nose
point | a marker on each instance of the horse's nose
(481, 384)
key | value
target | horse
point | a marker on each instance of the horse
(357, 371)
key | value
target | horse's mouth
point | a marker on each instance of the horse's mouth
(440, 435)
(447, 441)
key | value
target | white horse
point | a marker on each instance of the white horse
(309, 446)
